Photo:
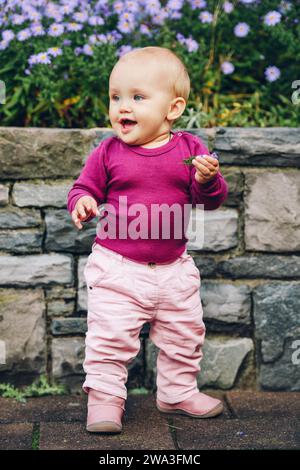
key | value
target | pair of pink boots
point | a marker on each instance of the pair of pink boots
(105, 411)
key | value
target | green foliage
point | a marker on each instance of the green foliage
(41, 388)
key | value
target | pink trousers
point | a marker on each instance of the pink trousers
(123, 295)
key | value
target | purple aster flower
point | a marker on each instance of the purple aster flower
(272, 18)
(54, 51)
(41, 58)
(132, 6)
(77, 50)
(123, 50)
(34, 16)
(197, 4)
(227, 67)
(285, 6)
(145, 30)
(8, 35)
(74, 26)
(3, 45)
(272, 73)
(80, 16)
(87, 50)
(126, 26)
(37, 30)
(67, 42)
(56, 29)
(152, 6)
(160, 16)
(24, 34)
(228, 7)
(241, 30)
(191, 45)
(95, 21)
(206, 17)
(118, 6)
(18, 19)
(175, 4)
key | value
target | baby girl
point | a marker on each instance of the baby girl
(139, 270)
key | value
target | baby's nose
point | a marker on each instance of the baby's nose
(124, 105)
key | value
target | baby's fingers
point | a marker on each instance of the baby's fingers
(76, 220)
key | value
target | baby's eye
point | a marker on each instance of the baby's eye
(114, 96)
(138, 96)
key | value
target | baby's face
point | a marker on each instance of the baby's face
(140, 92)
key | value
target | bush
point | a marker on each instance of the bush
(242, 57)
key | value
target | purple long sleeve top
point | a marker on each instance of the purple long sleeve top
(120, 176)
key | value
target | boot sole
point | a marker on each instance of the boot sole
(104, 426)
(214, 412)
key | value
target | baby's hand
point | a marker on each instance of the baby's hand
(85, 206)
(206, 168)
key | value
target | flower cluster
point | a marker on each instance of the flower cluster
(24, 20)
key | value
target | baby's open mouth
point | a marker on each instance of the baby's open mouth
(126, 123)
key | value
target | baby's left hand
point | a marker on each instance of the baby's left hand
(206, 168)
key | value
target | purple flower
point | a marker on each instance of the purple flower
(3, 45)
(54, 51)
(241, 30)
(284, 6)
(132, 6)
(272, 18)
(67, 42)
(118, 7)
(228, 7)
(175, 4)
(41, 58)
(87, 50)
(145, 30)
(152, 7)
(197, 4)
(18, 19)
(8, 35)
(74, 26)
(95, 20)
(80, 16)
(37, 30)
(227, 67)
(191, 45)
(56, 29)
(24, 34)
(272, 73)
(123, 50)
(126, 26)
(206, 17)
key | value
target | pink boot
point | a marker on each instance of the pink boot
(105, 412)
(198, 405)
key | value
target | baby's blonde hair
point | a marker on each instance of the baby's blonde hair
(178, 77)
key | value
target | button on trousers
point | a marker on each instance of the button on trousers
(123, 295)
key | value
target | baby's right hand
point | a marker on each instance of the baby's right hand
(85, 206)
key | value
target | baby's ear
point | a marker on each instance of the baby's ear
(177, 107)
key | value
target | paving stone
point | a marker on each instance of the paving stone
(15, 436)
(143, 428)
(248, 404)
(52, 408)
(218, 433)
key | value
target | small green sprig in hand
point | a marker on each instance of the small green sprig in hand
(188, 161)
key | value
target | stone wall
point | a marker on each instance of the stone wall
(249, 265)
